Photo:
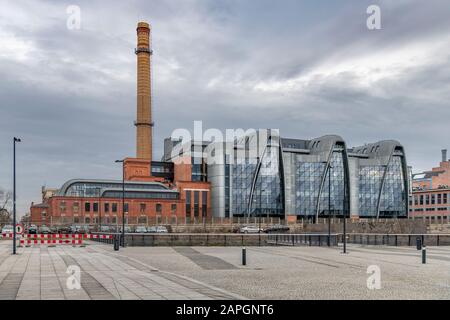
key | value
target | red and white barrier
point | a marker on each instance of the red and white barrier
(30, 242)
(68, 236)
(8, 235)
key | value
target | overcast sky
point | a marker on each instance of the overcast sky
(309, 68)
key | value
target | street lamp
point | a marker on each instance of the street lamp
(14, 193)
(329, 204)
(123, 201)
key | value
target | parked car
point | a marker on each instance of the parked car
(44, 230)
(54, 230)
(7, 229)
(277, 228)
(74, 229)
(127, 229)
(32, 229)
(64, 230)
(158, 229)
(105, 229)
(250, 229)
(140, 229)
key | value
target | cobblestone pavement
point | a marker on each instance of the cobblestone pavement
(309, 272)
(217, 273)
(40, 272)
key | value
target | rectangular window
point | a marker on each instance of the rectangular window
(87, 207)
(95, 205)
(125, 207)
(421, 199)
(142, 208)
(433, 199)
(158, 208)
(62, 207)
(204, 203)
(444, 199)
(76, 207)
(416, 200)
(439, 198)
(114, 207)
(188, 203)
(427, 199)
(196, 203)
(173, 208)
(106, 207)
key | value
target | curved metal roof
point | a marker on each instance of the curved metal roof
(63, 190)
(380, 148)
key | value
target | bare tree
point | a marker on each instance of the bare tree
(5, 202)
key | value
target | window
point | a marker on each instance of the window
(125, 207)
(142, 220)
(433, 199)
(173, 208)
(114, 219)
(416, 200)
(427, 199)
(196, 203)
(95, 205)
(106, 207)
(188, 203)
(421, 199)
(87, 207)
(114, 207)
(87, 220)
(439, 198)
(142, 207)
(444, 198)
(62, 207)
(158, 208)
(75, 207)
(204, 202)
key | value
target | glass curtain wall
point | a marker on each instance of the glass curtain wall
(393, 196)
(332, 203)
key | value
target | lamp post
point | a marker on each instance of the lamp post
(123, 201)
(329, 204)
(99, 190)
(14, 193)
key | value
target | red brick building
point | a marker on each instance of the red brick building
(430, 197)
(148, 200)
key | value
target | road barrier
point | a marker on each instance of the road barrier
(377, 239)
(30, 242)
(68, 236)
(305, 239)
(7, 235)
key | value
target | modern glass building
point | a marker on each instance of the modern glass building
(262, 174)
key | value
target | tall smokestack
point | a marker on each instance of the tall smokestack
(444, 155)
(144, 124)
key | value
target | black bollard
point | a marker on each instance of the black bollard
(244, 256)
(419, 243)
(424, 255)
(116, 243)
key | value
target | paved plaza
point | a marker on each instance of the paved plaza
(40, 272)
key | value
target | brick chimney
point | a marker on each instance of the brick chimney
(144, 124)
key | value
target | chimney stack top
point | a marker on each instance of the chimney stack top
(444, 155)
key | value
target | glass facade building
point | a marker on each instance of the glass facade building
(310, 179)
